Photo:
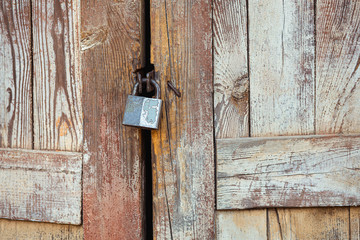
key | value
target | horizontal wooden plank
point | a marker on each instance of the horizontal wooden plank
(40, 185)
(299, 171)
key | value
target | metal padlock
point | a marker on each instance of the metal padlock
(143, 112)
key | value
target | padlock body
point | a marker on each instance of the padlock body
(142, 112)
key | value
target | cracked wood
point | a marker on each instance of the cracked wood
(303, 171)
(40, 186)
(183, 159)
(113, 166)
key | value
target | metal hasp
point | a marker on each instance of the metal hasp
(143, 112)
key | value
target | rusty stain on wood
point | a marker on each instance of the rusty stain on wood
(113, 170)
(183, 162)
(40, 186)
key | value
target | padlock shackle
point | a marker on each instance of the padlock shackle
(153, 82)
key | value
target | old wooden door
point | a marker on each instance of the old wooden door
(263, 133)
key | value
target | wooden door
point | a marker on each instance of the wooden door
(67, 165)
(286, 106)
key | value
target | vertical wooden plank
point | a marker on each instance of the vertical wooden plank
(355, 223)
(113, 170)
(337, 74)
(308, 223)
(57, 85)
(231, 82)
(231, 103)
(247, 224)
(15, 75)
(281, 48)
(183, 166)
(281, 63)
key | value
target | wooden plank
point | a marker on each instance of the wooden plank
(15, 72)
(113, 166)
(281, 62)
(57, 85)
(337, 67)
(231, 103)
(231, 82)
(35, 230)
(308, 223)
(337, 73)
(354, 223)
(299, 171)
(183, 159)
(40, 186)
(246, 224)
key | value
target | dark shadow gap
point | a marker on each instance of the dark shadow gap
(146, 134)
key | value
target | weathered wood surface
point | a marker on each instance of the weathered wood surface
(19, 100)
(231, 104)
(337, 67)
(337, 75)
(354, 226)
(281, 63)
(113, 170)
(15, 74)
(40, 186)
(309, 223)
(183, 159)
(245, 224)
(288, 172)
(231, 82)
(57, 85)
(19, 230)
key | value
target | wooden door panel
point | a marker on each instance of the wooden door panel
(42, 186)
(21, 26)
(287, 98)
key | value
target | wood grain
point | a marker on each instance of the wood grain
(245, 224)
(113, 166)
(281, 62)
(308, 223)
(15, 74)
(16, 109)
(337, 67)
(34, 231)
(354, 222)
(183, 159)
(231, 104)
(57, 85)
(337, 73)
(40, 186)
(231, 82)
(300, 171)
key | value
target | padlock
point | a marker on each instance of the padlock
(143, 112)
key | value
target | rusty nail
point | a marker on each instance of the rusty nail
(174, 89)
